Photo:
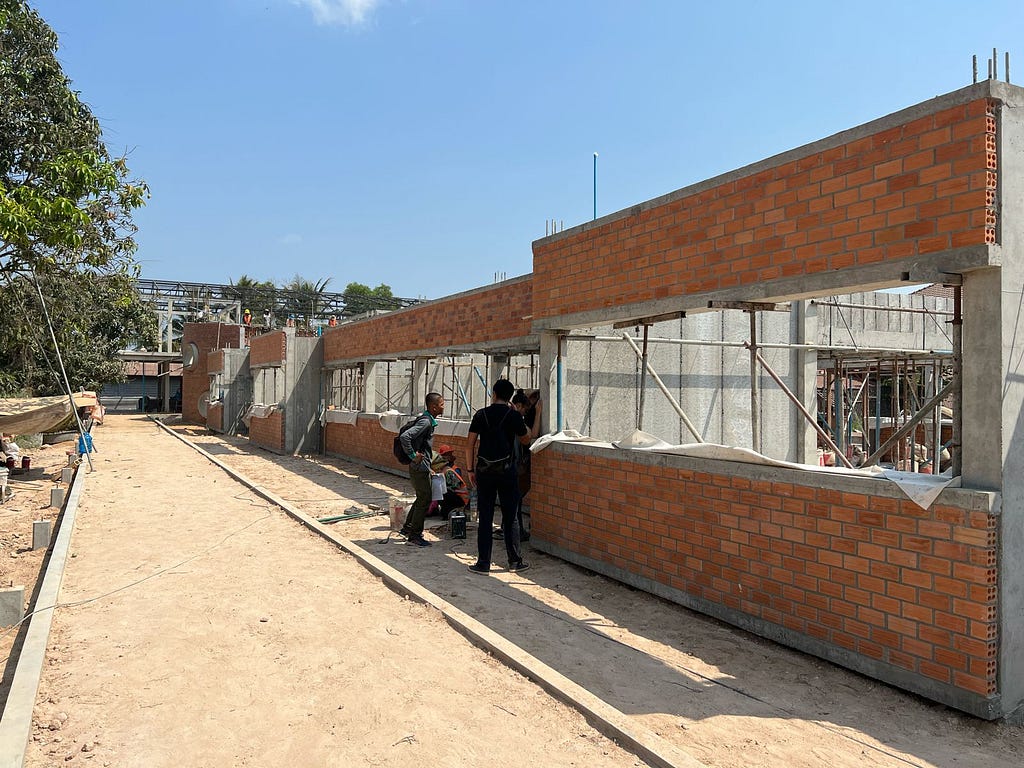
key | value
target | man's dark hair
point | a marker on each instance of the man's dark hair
(432, 398)
(504, 389)
(520, 398)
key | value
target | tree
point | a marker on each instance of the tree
(304, 299)
(94, 316)
(258, 297)
(64, 201)
(361, 298)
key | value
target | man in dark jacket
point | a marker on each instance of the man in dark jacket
(418, 444)
(492, 437)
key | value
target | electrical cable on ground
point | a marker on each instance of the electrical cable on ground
(153, 575)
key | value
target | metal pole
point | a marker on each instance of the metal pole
(595, 186)
(958, 390)
(664, 390)
(755, 387)
(558, 386)
(807, 415)
(902, 432)
(643, 382)
(768, 345)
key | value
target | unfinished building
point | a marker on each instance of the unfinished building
(735, 316)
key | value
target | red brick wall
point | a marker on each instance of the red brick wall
(489, 314)
(877, 576)
(269, 432)
(215, 417)
(215, 361)
(196, 379)
(922, 187)
(368, 442)
(268, 349)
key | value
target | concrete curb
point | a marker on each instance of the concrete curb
(608, 720)
(16, 724)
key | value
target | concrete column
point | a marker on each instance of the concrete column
(370, 371)
(418, 385)
(496, 370)
(803, 320)
(992, 300)
(290, 372)
(548, 380)
(164, 369)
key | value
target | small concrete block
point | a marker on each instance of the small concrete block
(40, 534)
(12, 605)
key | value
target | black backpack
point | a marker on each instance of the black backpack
(399, 451)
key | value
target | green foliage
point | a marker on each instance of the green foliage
(256, 296)
(94, 315)
(64, 201)
(361, 298)
(304, 299)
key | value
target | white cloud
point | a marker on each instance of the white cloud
(346, 12)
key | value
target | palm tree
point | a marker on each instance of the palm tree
(304, 299)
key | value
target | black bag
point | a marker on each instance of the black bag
(493, 467)
(399, 451)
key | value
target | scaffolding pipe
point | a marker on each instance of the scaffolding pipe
(664, 390)
(643, 382)
(558, 385)
(913, 310)
(958, 390)
(912, 422)
(755, 387)
(770, 345)
(807, 415)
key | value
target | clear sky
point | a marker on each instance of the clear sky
(425, 143)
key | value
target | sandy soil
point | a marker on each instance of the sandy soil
(225, 634)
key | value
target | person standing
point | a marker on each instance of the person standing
(492, 437)
(418, 444)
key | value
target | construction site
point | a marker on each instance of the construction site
(775, 513)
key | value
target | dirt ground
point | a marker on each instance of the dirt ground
(220, 632)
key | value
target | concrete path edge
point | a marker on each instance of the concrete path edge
(16, 724)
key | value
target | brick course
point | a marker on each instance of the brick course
(922, 187)
(486, 315)
(268, 349)
(268, 432)
(878, 576)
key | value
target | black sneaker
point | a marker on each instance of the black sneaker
(522, 565)
(498, 534)
(418, 541)
(477, 568)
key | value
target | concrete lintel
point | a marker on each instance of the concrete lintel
(518, 345)
(988, 708)
(993, 89)
(987, 502)
(932, 268)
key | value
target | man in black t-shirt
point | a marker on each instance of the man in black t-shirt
(493, 434)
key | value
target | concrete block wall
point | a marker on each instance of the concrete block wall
(920, 187)
(849, 569)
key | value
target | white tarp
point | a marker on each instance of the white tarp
(919, 488)
(340, 416)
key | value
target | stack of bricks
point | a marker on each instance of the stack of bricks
(922, 187)
(875, 575)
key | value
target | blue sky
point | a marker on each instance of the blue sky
(425, 143)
